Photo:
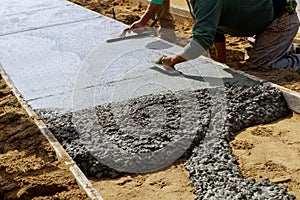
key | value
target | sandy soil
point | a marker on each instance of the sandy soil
(271, 151)
(170, 183)
(179, 3)
(28, 165)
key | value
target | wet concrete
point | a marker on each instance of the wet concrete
(45, 62)
(116, 111)
(36, 19)
(150, 132)
(11, 7)
(64, 65)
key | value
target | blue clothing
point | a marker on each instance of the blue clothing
(157, 1)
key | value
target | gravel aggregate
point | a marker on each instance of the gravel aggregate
(147, 133)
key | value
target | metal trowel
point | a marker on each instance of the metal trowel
(144, 32)
(128, 37)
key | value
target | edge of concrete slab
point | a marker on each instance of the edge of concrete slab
(291, 97)
(61, 154)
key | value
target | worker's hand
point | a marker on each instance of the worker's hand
(137, 27)
(167, 61)
(171, 61)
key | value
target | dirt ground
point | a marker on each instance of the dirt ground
(170, 183)
(28, 165)
(258, 153)
(271, 151)
(30, 170)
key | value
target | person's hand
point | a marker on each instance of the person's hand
(167, 61)
(136, 27)
(171, 61)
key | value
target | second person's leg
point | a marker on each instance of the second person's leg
(167, 30)
(271, 46)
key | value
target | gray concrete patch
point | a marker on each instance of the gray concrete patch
(71, 66)
(46, 65)
(12, 7)
(31, 20)
(119, 73)
(45, 62)
(152, 82)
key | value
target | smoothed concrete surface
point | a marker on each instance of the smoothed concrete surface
(72, 66)
(36, 19)
(46, 61)
(9, 7)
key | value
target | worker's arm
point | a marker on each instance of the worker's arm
(150, 12)
(220, 45)
(207, 15)
(191, 51)
(221, 51)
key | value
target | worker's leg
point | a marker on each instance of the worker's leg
(270, 47)
(167, 30)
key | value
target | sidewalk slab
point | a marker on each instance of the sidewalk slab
(48, 64)
(30, 20)
(9, 7)
(72, 65)
(46, 61)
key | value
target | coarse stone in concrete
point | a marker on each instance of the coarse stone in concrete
(35, 19)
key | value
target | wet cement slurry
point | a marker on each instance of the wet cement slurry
(114, 110)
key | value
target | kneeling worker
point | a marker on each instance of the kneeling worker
(273, 22)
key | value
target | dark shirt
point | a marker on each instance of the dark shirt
(233, 17)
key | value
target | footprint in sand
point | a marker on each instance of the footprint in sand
(263, 131)
(242, 145)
